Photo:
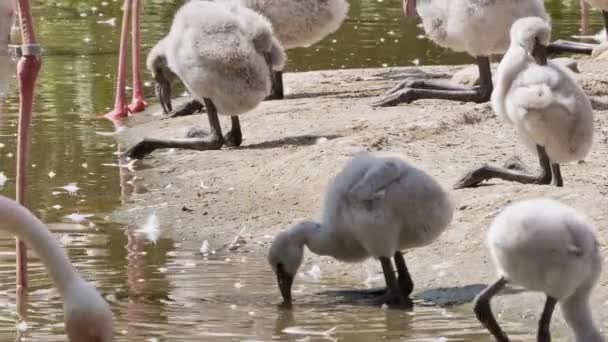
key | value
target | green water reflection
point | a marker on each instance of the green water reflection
(154, 289)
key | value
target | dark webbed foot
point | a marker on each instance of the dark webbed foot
(412, 90)
(197, 132)
(512, 172)
(274, 96)
(189, 108)
(565, 46)
(473, 178)
(197, 139)
(140, 150)
(515, 163)
(233, 138)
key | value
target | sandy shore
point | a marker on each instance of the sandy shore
(293, 147)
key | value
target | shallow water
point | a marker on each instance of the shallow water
(165, 292)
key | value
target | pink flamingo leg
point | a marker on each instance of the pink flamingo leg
(27, 72)
(120, 107)
(138, 103)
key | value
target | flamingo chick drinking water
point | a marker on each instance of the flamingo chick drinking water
(376, 206)
(551, 112)
(479, 28)
(88, 317)
(225, 54)
(296, 23)
(548, 247)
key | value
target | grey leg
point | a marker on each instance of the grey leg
(213, 141)
(486, 172)
(566, 46)
(234, 137)
(483, 310)
(409, 91)
(557, 175)
(277, 92)
(544, 332)
(393, 296)
(405, 280)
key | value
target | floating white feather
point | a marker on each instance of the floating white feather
(3, 179)
(151, 229)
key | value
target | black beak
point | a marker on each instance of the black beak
(285, 280)
(163, 92)
(540, 53)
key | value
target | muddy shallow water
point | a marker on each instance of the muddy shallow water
(164, 291)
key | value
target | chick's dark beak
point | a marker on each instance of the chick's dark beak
(163, 92)
(285, 281)
(539, 53)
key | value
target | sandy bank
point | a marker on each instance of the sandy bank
(293, 147)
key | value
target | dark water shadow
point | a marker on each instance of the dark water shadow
(299, 140)
(441, 296)
(450, 296)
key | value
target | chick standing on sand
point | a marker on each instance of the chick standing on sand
(375, 207)
(479, 28)
(548, 247)
(224, 54)
(550, 111)
(296, 23)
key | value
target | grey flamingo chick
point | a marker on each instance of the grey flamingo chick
(550, 111)
(377, 206)
(296, 24)
(479, 28)
(548, 247)
(224, 54)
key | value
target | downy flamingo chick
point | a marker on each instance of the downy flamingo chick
(376, 206)
(299, 23)
(545, 246)
(88, 317)
(551, 112)
(224, 54)
(296, 23)
(479, 28)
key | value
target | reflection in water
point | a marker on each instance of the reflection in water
(161, 290)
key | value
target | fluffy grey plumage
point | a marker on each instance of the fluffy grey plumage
(301, 23)
(457, 24)
(376, 206)
(543, 102)
(546, 246)
(223, 52)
